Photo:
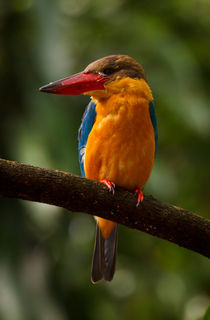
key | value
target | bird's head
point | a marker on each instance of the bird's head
(97, 76)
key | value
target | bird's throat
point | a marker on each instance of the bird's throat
(125, 87)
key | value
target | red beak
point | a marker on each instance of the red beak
(77, 84)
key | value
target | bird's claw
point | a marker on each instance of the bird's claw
(110, 185)
(140, 196)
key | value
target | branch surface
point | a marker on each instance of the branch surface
(74, 193)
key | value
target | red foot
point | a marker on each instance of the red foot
(110, 185)
(139, 195)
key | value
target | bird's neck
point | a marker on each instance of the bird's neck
(120, 92)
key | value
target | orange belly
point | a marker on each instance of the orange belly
(121, 144)
(121, 148)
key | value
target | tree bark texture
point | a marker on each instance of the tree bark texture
(74, 193)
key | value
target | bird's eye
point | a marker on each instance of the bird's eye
(108, 71)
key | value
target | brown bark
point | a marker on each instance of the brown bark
(78, 194)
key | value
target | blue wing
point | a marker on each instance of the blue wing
(84, 130)
(154, 122)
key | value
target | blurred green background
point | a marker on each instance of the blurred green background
(45, 252)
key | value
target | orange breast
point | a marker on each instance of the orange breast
(121, 145)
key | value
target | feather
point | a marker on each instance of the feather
(88, 120)
(104, 256)
(154, 122)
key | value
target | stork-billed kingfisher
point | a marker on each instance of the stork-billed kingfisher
(117, 138)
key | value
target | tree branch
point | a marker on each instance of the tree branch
(74, 193)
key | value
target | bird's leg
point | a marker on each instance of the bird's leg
(110, 185)
(139, 195)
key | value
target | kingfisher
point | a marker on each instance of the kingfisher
(117, 138)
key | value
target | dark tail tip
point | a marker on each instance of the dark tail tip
(104, 256)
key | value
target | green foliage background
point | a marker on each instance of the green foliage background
(45, 252)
